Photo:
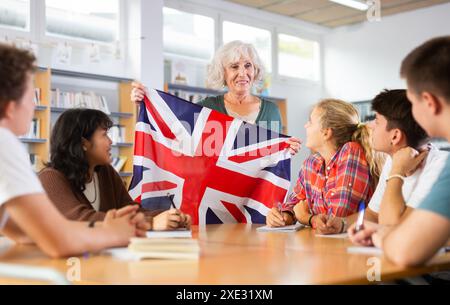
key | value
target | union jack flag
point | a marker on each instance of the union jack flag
(218, 169)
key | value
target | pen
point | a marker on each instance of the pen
(360, 220)
(171, 200)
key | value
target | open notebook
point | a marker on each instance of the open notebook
(285, 229)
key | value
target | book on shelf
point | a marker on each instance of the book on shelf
(117, 133)
(118, 163)
(91, 100)
(165, 248)
(35, 130)
(188, 96)
(37, 96)
(34, 161)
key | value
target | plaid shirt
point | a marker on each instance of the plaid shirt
(339, 186)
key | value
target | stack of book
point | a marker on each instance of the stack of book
(89, 100)
(165, 248)
(118, 162)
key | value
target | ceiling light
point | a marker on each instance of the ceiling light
(362, 6)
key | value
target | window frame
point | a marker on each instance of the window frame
(16, 33)
(242, 19)
(53, 39)
(196, 11)
(291, 79)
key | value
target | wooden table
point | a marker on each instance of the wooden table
(235, 254)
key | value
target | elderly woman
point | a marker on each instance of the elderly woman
(237, 66)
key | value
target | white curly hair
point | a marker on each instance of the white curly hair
(230, 53)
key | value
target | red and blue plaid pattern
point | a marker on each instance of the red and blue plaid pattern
(339, 186)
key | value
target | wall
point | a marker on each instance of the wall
(362, 59)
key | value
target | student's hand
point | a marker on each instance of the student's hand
(406, 161)
(378, 237)
(120, 225)
(141, 223)
(138, 92)
(294, 145)
(130, 210)
(364, 236)
(333, 225)
(169, 220)
(137, 219)
(319, 222)
(276, 219)
(186, 220)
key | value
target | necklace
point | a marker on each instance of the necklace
(95, 191)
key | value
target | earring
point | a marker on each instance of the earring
(84, 148)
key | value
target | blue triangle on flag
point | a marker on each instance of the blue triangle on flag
(185, 111)
(143, 117)
(212, 218)
(256, 216)
(282, 169)
(249, 134)
(156, 203)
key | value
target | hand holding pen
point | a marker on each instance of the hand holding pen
(176, 218)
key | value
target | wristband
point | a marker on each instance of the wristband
(396, 176)
(309, 220)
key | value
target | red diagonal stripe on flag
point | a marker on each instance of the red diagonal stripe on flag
(258, 153)
(158, 186)
(165, 130)
(234, 210)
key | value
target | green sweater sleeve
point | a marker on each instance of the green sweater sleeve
(271, 115)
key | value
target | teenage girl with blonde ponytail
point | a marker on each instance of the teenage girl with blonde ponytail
(341, 173)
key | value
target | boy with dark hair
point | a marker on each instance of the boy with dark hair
(422, 233)
(394, 129)
(26, 213)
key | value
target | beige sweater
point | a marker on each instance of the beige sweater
(74, 204)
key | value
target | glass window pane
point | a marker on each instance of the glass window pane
(96, 20)
(259, 38)
(188, 34)
(298, 57)
(15, 14)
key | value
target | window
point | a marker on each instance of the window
(188, 34)
(15, 14)
(95, 20)
(259, 38)
(298, 57)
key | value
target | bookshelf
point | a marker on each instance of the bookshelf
(38, 146)
(366, 114)
(196, 94)
(365, 110)
(122, 113)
